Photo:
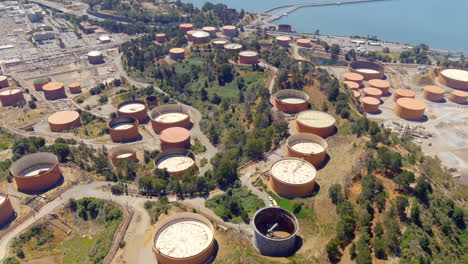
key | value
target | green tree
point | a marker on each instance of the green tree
(459, 218)
(62, 151)
(333, 250)
(335, 194)
(401, 204)
(404, 180)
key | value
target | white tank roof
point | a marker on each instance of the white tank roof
(293, 171)
(10, 91)
(364, 70)
(233, 46)
(94, 53)
(200, 34)
(36, 170)
(124, 155)
(248, 53)
(175, 162)
(3, 77)
(183, 238)
(132, 108)
(2, 198)
(314, 118)
(306, 146)
(171, 117)
(456, 74)
(122, 126)
(292, 100)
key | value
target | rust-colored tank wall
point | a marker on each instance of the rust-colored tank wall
(141, 116)
(408, 114)
(314, 159)
(62, 127)
(55, 94)
(345, 78)
(201, 40)
(4, 83)
(8, 100)
(124, 135)
(303, 44)
(161, 38)
(452, 83)
(39, 182)
(185, 28)
(248, 59)
(95, 59)
(230, 32)
(434, 97)
(396, 96)
(457, 99)
(323, 132)
(290, 108)
(183, 144)
(367, 92)
(75, 89)
(370, 108)
(158, 126)
(6, 211)
(177, 56)
(291, 190)
(283, 43)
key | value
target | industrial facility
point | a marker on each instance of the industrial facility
(161, 38)
(200, 37)
(309, 147)
(369, 70)
(248, 57)
(291, 101)
(234, 47)
(293, 177)
(458, 97)
(175, 161)
(175, 138)
(39, 83)
(134, 108)
(11, 96)
(170, 115)
(75, 88)
(370, 104)
(382, 85)
(230, 31)
(177, 53)
(305, 43)
(434, 93)
(36, 172)
(95, 57)
(54, 91)
(372, 92)
(410, 109)
(123, 129)
(283, 41)
(352, 85)
(123, 153)
(454, 78)
(186, 27)
(220, 42)
(275, 231)
(353, 77)
(6, 209)
(184, 238)
(64, 120)
(315, 122)
(403, 93)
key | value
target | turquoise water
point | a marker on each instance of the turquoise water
(442, 24)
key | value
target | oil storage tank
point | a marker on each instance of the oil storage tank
(309, 147)
(39, 83)
(161, 38)
(458, 97)
(352, 85)
(291, 101)
(315, 122)
(353, 77)
(188, 35)
(292, 177)
(134, 108)
(372, 92)
(210, 30)
(283, 41)
(11, 96)
(370, 104)
(176, 161)
(6, 209)
(170, 115)
(186, 27)
(123, 129)
(382, 85)
(36, 172)
(434, 93)
(75, 88)
(175, 137)
(232, 47)
(123, 153)
(54, 91)
(410, 109)
(248, 57)
(356, 94)
(64, 120)
(184, 238)
(200, 37)
(220, 42)
(403, 93)
(305, 43)
(95, 57)
(369, 70)
(177, 53)
(275, 231)
(454, 78)
(4, 81)
(230, 31)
